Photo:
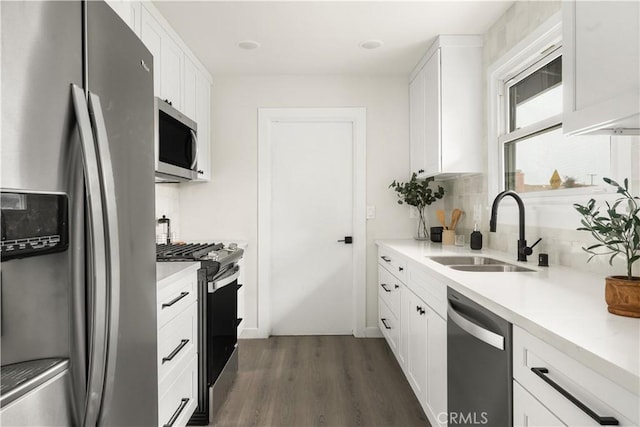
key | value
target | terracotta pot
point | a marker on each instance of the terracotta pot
(623, 295)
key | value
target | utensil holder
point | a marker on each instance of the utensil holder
(448, 237)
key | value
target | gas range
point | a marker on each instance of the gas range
(215, 257)
(217, 317)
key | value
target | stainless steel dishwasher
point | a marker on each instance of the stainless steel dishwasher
(479, 365)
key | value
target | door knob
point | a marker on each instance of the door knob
(347, 240)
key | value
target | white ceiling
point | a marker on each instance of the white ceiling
(322, 37)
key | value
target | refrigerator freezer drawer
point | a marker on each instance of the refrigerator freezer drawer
(47, 404)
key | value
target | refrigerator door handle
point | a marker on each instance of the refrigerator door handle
(112, 243)
(96, 256)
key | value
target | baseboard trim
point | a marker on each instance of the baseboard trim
(252, 333)
(372, 332)
(256, 333)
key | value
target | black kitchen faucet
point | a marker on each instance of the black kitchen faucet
(523, 249)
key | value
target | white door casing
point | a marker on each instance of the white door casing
(278, 130)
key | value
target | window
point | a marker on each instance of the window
(536, 157)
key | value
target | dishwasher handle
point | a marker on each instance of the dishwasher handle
(484, 335)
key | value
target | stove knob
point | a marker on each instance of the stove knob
(233, 246)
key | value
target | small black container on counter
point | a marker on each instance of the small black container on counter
(475, 242)
(436, 234)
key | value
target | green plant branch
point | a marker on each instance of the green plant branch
(617, 232)
(417, 193)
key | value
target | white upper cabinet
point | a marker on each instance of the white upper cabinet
(167, 56)
(129, 11)
(172, 61)
(203, 118)
(445, 96)
(601, 67)
(180, 79)
(151, 35)
(189, 88)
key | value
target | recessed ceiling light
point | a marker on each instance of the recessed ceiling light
(371, 44)
(248, 44)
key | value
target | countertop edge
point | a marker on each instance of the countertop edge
(167, 272)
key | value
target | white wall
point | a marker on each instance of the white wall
(226, 207)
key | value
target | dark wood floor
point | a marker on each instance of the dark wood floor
(319, 381)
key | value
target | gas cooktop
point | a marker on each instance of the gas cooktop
(211, 252)
(185, 251)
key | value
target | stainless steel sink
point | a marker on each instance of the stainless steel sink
(478, 263)
(488, 268)
(466, 260)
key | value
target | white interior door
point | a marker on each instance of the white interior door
(311, 273)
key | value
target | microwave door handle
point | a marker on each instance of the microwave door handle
(96, 256)
(110, 210)
(194, 149)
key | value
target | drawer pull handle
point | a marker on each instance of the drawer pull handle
(385, 258)
(400, 268)
(176, 414)
(175, 300)
(384, 286)
(175, 351)
(603, 421)
(384, 322)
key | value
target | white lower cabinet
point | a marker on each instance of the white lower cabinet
(528, 412)
(415, 325)
(180, 397)
(177, 348)
(389, 325)
(571, 393)
(425, 335)
(410, 318)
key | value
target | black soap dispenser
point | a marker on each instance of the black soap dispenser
(476, 238)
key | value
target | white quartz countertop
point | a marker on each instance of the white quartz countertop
(169, 271)
(563, 306)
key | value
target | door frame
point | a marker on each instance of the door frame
(266, 118)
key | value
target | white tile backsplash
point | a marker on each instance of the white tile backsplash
(168, 204)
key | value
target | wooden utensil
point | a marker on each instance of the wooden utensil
(440, 215)
(455, 217)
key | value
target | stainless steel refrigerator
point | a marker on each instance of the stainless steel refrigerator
(78, 291)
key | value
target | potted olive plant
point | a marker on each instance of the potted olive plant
(417, 193)
(617, 231)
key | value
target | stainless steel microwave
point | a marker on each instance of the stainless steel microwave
(176, 144)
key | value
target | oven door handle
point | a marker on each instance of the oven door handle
(227, 278)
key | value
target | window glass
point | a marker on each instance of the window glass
(550, 161)
(543, 159)
(537, 96)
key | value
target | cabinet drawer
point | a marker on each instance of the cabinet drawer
(393, 263)
(179, 401)
(174, 298)
(389, 290)
(528, 412)
(177, 341)
(596, 392)
(428, 288)
(389, 325)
